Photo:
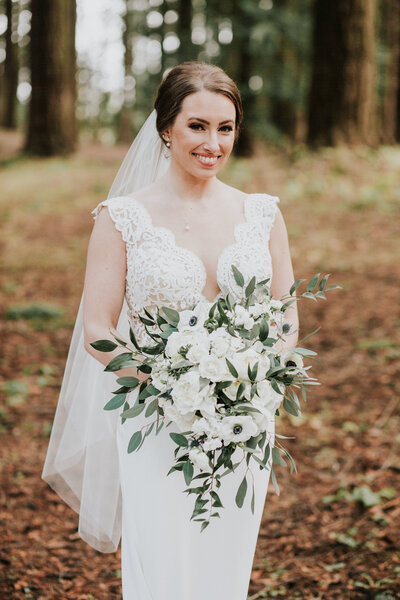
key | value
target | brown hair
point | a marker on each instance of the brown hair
(188, 78)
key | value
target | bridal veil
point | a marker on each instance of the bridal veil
(82, 462)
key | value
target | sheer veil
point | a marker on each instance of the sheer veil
(82, 463)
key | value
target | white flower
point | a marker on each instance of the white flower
(231, 391)
(267, 400)
(186, 392)
(212, 444)
(258, 309)
(214, 368)
(177, 339)
(199, 458)
(184, 422)
(290, 358)
(220, 341)
(194, 319)
(201, 426)
(237, 429)
(242, 317)
(242, 360)
(197, 352)
(160, 377)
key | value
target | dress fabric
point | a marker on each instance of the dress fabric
(164, 556)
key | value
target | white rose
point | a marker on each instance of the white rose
(177, 339)
(214, 368)
(184, 422)
(267, 400)
(237, 429)
(197, 352)
(220, 341)
(275, 304)
(201, 426)
(199, 458)
(257, 310)
(231, 391)
(242, 360)
(186, 392)
(242, 317)
(212, 444)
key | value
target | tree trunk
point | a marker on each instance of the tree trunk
(52, 126)
(10, 79)
(342, 97)
(125, 133)
(186, 50)
(390, 18)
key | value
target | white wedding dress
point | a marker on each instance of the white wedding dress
(164, 555)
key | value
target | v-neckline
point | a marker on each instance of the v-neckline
(191, 252)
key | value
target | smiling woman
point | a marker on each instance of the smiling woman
(169, 237)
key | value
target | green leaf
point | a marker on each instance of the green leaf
(264, 330)
(241, 493)
(290, 407)
(231, 368)
(171, 314)
(323, 281)
(310, 335)
(238, 276)
(313, 282)
(133, 339)
(277, 458)
(117, 339)
(333, 287)
(116, 363)
(295, 286)
(216, 500)
(274, 482)
(253, 498)
(115, 402)
(267, 452)
(134, 441)
(188, 471)
(204, 525)
(250, 287)
(240, 390)
(304, 351)
(134, 411)
(104, 345)
(129, 382)
(151, 407)
(179, 439)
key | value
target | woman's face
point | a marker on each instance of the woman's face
(203, 134)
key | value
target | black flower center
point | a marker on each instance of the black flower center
(291, 363)
(192, 321)
(237, 429)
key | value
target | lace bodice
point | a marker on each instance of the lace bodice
(161, 273)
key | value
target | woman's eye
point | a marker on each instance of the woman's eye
(226, 128)
(196, 126)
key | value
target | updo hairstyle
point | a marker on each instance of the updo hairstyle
(188, 78)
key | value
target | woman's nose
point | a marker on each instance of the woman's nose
(211, 142)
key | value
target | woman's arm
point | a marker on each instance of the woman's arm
(104, 289)
(283, 278)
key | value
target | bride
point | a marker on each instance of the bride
(166, 236)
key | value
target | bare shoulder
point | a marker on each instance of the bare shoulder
(232, 192)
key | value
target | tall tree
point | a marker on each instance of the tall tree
(10, 78)
(390, 28)
(125, 120)
(342, 97)
(186, 50)
(52, 126)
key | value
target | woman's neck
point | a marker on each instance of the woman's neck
(184, 186)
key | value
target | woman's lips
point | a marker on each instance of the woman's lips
(208, 161)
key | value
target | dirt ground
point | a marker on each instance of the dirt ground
(334, 532)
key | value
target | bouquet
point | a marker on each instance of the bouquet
(214, 371)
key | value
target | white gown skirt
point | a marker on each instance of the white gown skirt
(163, 554)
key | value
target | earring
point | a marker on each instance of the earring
(167, 142)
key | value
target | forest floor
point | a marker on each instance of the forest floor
(334, 532)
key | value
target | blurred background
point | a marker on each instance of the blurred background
(320, 86)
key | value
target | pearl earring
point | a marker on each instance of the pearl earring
(167, 142)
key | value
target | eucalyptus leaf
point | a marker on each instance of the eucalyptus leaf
(188, 471)
(238, 276)
(179, 439)
(118, 361)
(134, 441)
(115, 402)
(104, 345)
(134, 411)
(241, 493)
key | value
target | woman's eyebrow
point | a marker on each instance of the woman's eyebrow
(207, 122)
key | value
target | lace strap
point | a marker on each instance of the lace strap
(127, 215)
(262, 211)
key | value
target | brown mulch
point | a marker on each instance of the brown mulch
(317, 541)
